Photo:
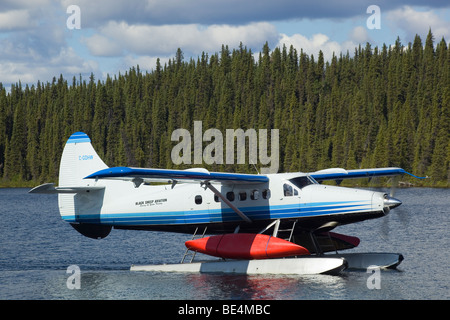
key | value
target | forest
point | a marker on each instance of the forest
(374, 107)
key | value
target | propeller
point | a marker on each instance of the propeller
(394, 185)
(390, 202)
(400, 214)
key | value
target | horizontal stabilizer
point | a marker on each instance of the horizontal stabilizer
(50, 188)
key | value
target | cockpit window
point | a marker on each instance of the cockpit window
(302, 182)
(287, 190)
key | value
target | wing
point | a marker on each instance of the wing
(339, 173)
(126, 173)
(139, 175)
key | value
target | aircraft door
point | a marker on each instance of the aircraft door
(201, 206)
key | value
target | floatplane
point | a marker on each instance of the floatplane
(253, 223)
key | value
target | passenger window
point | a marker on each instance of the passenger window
(230, 195)
(295, 192)
(216, 198)
(254, 195)
(287, 190)
(266, 194)
(198, 199)
(242, 195)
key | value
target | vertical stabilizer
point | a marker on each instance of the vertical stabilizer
(79, 159)
(81, 208)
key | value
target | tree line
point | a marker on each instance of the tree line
(377, 107)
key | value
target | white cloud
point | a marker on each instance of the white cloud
(34, 43)
(149, 40)
(316, 43)
(102, 46)
(12, 72)
(66, 63)
(360, 35)
(418, 22)
(15, 19)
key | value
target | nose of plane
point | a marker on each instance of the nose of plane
(391, 202)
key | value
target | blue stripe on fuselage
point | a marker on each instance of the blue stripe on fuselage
(220, 215)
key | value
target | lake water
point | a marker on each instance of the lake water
(37, 247)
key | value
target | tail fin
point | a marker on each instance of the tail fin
(78, 160)
(82, 209)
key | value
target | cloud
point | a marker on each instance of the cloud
(231, 12)
(34, 43)
(23, 4)
(102, 46)
(152, 40)
(360, 35)
(66, 62)
(414, 22)
(318, 42)
(15, 19)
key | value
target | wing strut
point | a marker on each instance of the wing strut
(232, 206)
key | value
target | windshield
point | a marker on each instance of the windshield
(301, 182)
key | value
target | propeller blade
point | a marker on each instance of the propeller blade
(394, 186)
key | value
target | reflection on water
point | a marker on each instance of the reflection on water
(260, 287)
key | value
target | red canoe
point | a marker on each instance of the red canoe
(246, 246)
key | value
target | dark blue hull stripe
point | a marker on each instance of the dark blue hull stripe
(216, 215)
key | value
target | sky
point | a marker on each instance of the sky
(41, 39)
